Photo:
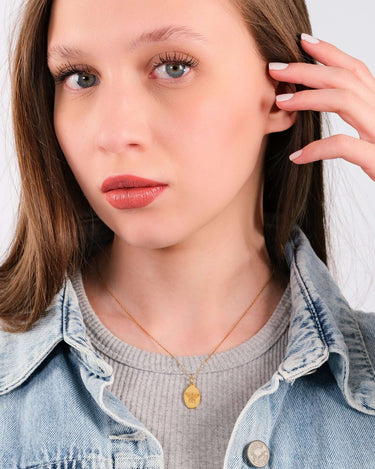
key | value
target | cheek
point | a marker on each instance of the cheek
(64, 128)
(72, 138)
(223, 130)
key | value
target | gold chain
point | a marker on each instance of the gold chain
(192, 394)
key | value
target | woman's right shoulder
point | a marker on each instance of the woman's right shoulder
(22, 353)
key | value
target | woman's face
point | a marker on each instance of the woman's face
(199, 128)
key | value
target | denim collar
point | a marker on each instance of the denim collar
(323, 327)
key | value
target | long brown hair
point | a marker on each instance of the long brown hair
(57, 231)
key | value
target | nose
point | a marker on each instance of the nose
(122, 119)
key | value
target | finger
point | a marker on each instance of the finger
(346, 104)
(350, 149)
(318, 76)
(328, 54)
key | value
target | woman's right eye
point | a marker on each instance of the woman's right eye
(81, 80)
(75, 77)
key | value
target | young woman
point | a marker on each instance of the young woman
(166, 301)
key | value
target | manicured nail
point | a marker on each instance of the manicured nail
(284, 97)
(310, 39)
(295, 155)
(277, 66)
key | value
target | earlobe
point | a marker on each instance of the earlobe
(279, 119)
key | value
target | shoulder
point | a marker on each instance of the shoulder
(22, 353)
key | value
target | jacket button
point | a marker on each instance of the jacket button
(258, 453)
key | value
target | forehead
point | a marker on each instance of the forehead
(143, 21)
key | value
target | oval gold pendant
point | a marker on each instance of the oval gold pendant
(192, 396)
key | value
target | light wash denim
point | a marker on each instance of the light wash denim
(316, 412)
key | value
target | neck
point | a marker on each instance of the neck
(189, 278)
(207, 283)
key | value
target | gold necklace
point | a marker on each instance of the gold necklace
(192, 395)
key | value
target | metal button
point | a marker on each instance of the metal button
(258, 453)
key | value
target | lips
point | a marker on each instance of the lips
(131, 192)
(128, 182)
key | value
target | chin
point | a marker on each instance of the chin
(150, 240)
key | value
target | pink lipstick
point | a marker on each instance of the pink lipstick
(128, 191)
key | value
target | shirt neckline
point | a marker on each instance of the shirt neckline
(111, 346)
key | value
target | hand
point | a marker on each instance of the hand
(343, 85)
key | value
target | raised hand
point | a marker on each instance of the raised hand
(344, 85)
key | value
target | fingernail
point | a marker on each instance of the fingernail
(277, 66)
(284, 97)
(295, 155)
(310, 39)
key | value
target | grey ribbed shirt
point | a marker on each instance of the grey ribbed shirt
(151, 385)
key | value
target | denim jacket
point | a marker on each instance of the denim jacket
(316, 412)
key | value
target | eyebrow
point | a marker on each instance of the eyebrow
(157, 35)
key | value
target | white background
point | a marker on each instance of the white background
(350, 192)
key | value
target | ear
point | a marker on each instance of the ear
(278, 119)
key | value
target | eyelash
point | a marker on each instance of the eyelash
(65, 71)
(176, 59)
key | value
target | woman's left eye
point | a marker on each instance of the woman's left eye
(174, 70)
(175, 66)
